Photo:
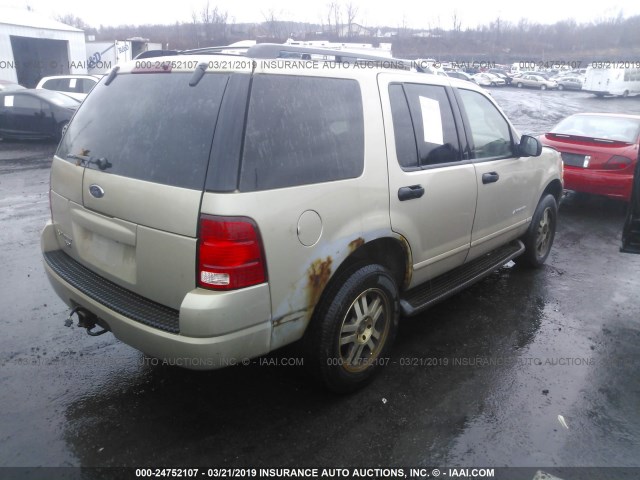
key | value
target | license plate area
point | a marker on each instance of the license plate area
(574, 159)
(106, 245)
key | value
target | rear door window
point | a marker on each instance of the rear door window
(151, 127)
(424, 126)
(302, 130)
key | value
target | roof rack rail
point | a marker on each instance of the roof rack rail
(221, 50)
(278, 50)
(156, 53)
(275, 50)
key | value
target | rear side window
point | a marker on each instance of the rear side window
(58, 84)
(152, 127)
(302, 130)
(27, 101)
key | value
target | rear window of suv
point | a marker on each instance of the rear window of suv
(151, 127)
(302, 130)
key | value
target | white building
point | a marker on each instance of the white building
(33, 46)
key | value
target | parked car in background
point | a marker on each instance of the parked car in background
(544, 75)
(606, 80)
(76, 86)
(569, 83)
(506, 76)
(485, 79)
(34, 114)
(6, 85)
(534, 81)
(461, 76)
(599, 151)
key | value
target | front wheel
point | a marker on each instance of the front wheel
(560, 87)
(353, 328)
(543, 87)
(539, 238)
(519, 85)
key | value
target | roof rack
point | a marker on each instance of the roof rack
(276, 50)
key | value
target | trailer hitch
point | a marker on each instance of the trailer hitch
(86, 320)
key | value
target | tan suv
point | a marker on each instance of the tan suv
(209, 208)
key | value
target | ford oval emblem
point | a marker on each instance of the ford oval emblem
(96, 191)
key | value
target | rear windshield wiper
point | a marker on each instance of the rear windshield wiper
(86, 160)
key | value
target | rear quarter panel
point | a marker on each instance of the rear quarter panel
(351, 211)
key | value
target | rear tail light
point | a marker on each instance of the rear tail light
(617, 162)
(230, 253)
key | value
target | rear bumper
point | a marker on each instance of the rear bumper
(214, 329)
(598, 182)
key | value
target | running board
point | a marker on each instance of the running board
(429, 293)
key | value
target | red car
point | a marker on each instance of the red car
(599, 152)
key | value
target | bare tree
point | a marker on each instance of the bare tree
(337, 18)
(210, 24)
(274, 25)
(457, 22)
(73, 21)
(352, 11)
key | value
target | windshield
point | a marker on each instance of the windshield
(59, 99)
(620, 129)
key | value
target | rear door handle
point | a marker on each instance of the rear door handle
(491, 177)
(411, 192)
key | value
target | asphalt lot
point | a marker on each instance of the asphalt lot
(525, 369)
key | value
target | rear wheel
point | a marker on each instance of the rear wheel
(539, 238)
(560, 87)
(519, 85)
(543, 87)
(353, 328)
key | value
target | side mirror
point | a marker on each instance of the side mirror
(529, 146)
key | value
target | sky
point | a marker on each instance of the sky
(418, 14)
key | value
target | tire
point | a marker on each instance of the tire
(560, 87)
(353, 328)
(519, 85)
(539, 238)
(543, 87)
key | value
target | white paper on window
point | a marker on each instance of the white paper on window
(8, 101)
(72, 83)
(431, 121)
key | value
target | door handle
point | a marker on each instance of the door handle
(490, 177)
(408, 193)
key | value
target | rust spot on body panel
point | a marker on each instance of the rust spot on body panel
(318, 274)
(356, 244)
